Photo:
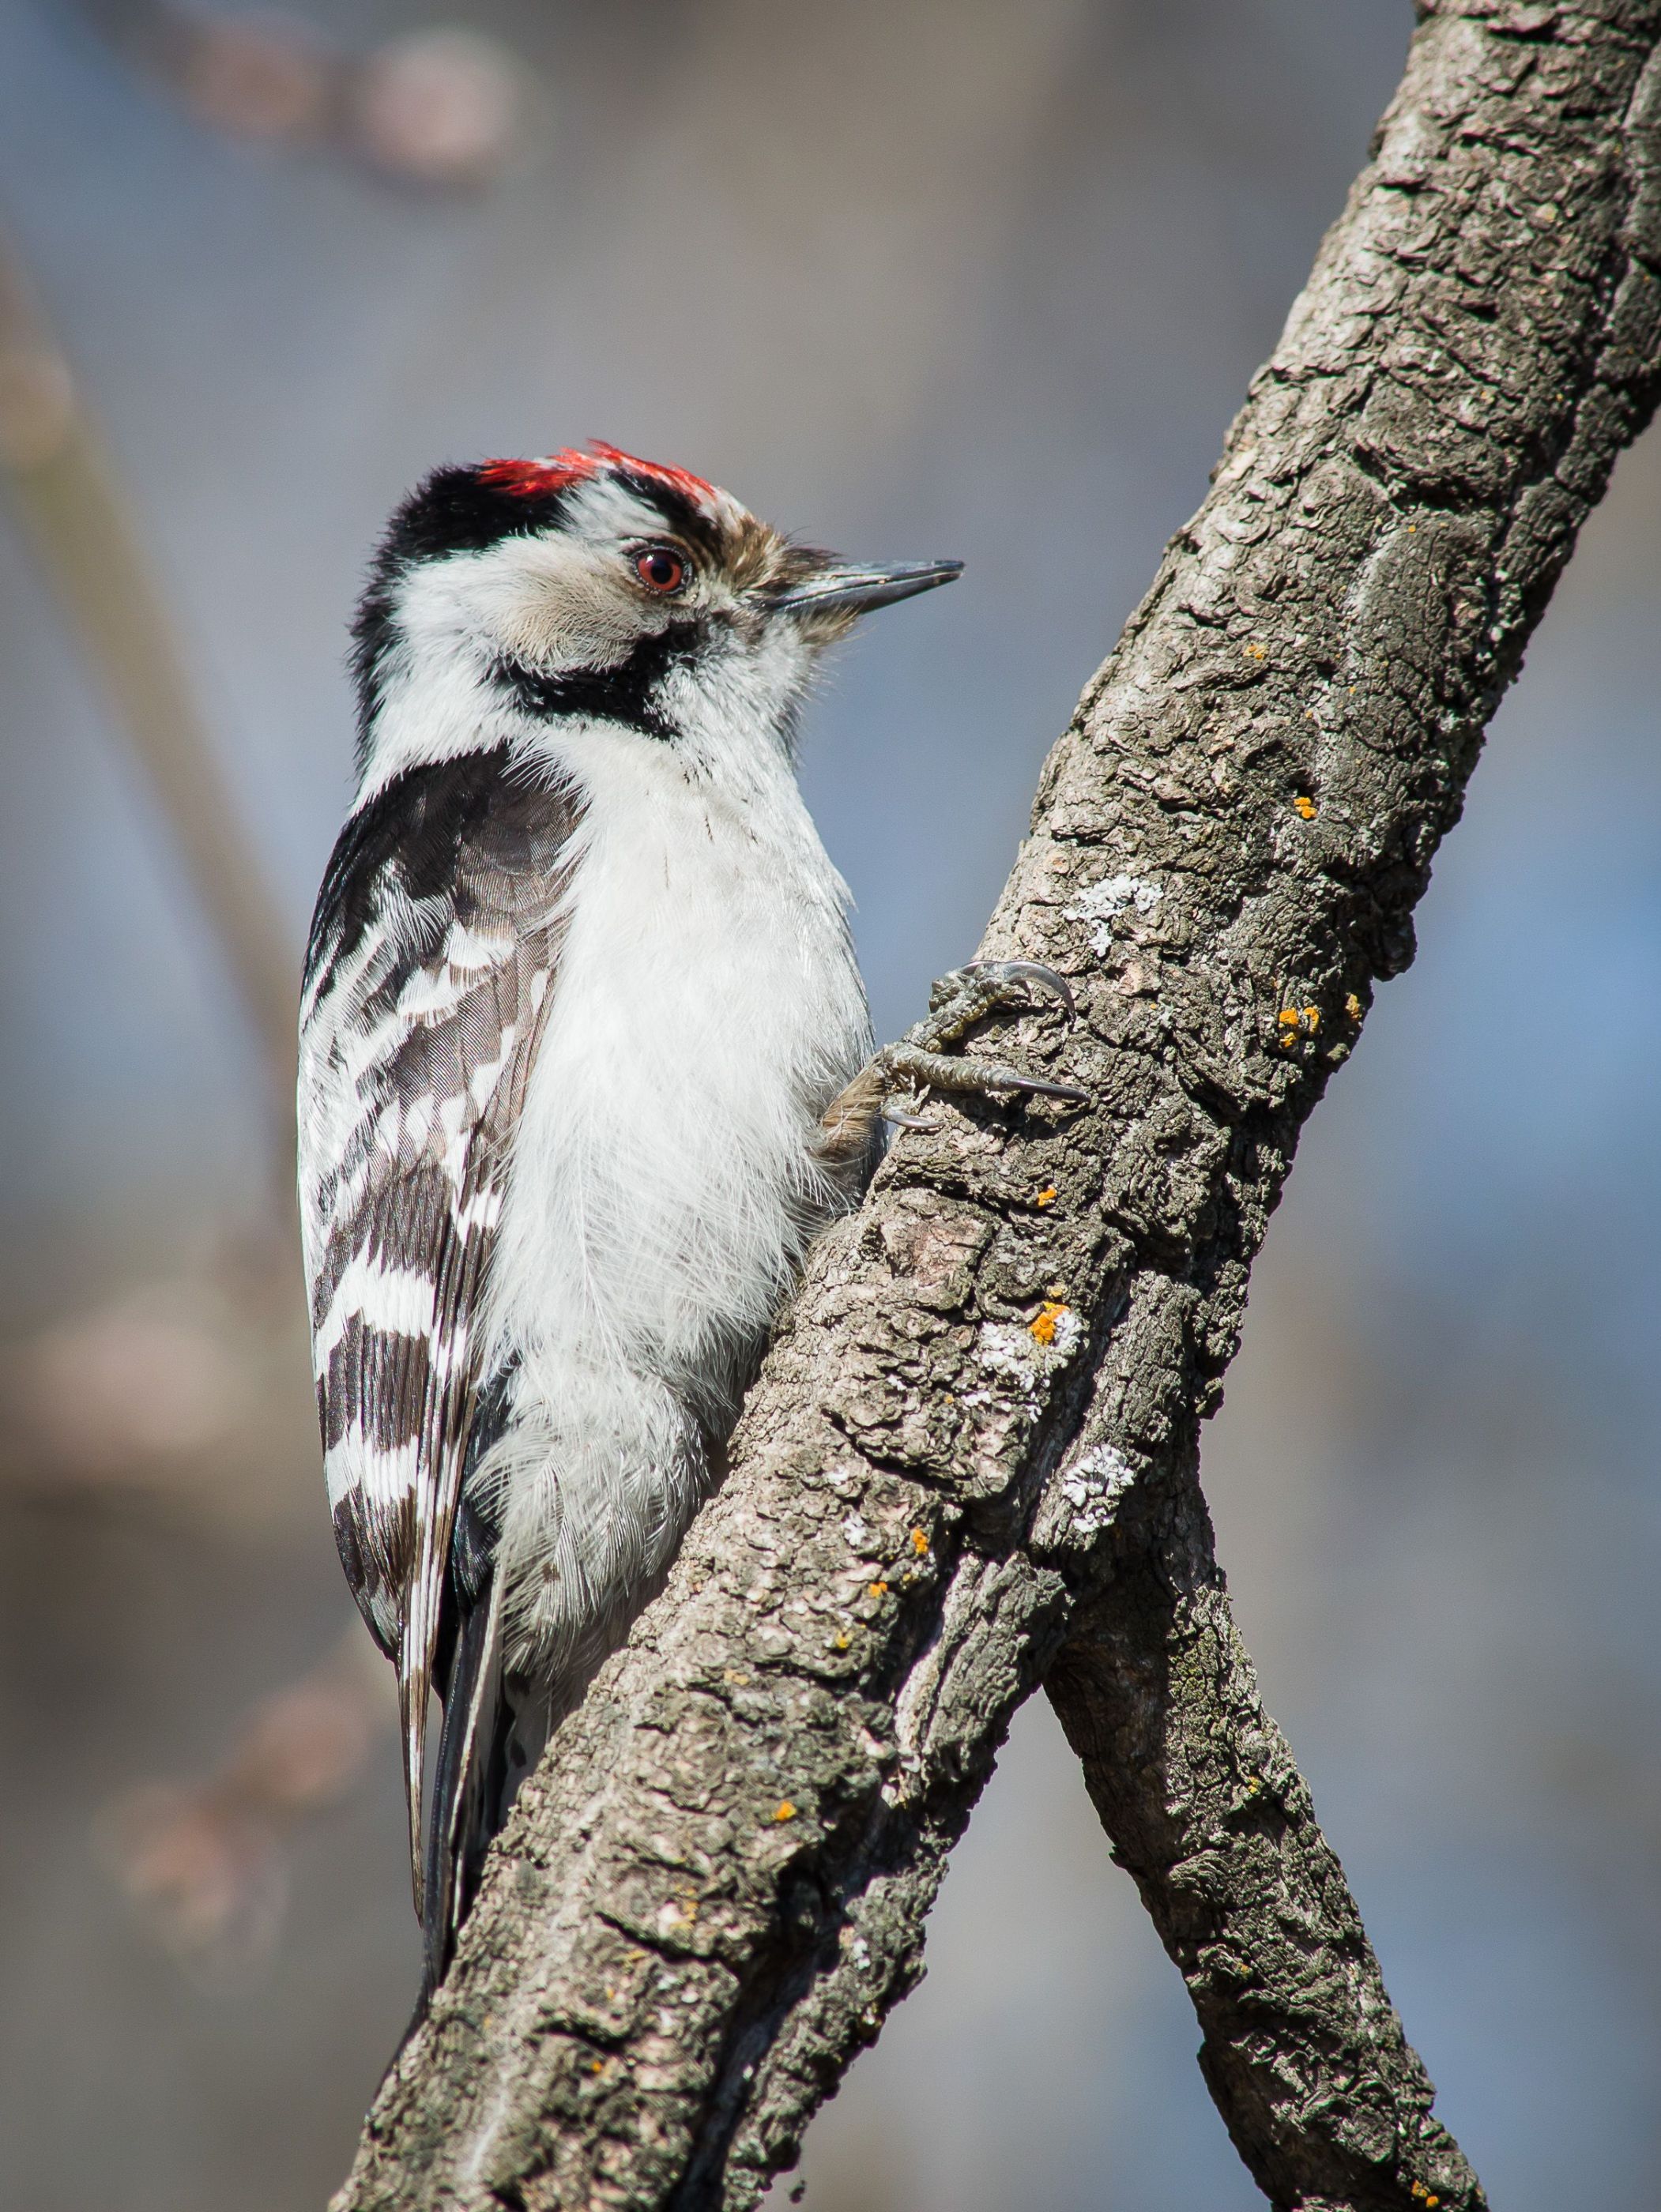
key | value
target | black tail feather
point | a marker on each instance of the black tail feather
(466, 1807)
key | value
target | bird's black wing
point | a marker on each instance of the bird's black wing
(431, 966)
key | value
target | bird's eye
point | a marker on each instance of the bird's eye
(660, 569)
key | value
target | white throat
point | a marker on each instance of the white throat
(708, 1008)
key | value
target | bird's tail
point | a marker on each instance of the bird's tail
(467, 1806)
(496, 1727)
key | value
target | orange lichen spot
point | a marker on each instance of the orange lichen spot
(841, 1640)
(1253, 650)
(1305, 807)
(1426, 2196)
(1043, 1329)
(1352, 1007)
(1046, 1196)
(784, 1810)
(877, 1589)
(1312, 1017)
(1297, 1022)
(920, 1542)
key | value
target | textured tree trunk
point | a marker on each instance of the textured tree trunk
(970, 1466)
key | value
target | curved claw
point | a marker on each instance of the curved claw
(1043, 1090)
(906, 1120)
(1026, 971)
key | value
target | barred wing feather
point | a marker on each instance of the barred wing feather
(431, 967)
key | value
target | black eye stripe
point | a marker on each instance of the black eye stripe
(625, 692)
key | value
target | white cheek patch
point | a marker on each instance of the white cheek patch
(567, 605)
(557, 597)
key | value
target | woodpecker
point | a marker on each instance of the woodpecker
(586, 1065)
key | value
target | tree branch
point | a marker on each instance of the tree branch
(1304, 2053)
(971, 1460)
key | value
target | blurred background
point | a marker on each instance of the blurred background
(914, 276)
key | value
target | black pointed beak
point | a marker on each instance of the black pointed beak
(852, 590)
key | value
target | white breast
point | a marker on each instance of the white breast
(708, 1007)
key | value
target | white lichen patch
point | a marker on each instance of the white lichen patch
(1009, 1351)
(1104, 903)
(1093, 1487)
(1022, 1356)
(856, 1534)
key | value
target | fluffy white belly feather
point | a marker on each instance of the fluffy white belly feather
(664, 1182)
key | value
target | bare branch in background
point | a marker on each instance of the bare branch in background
(69, 504)
(971, 1464)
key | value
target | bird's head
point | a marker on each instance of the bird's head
(595, 588)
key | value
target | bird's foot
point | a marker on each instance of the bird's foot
(921, 1062)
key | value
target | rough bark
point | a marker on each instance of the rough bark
(1327, 2102)
(971, 1461)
